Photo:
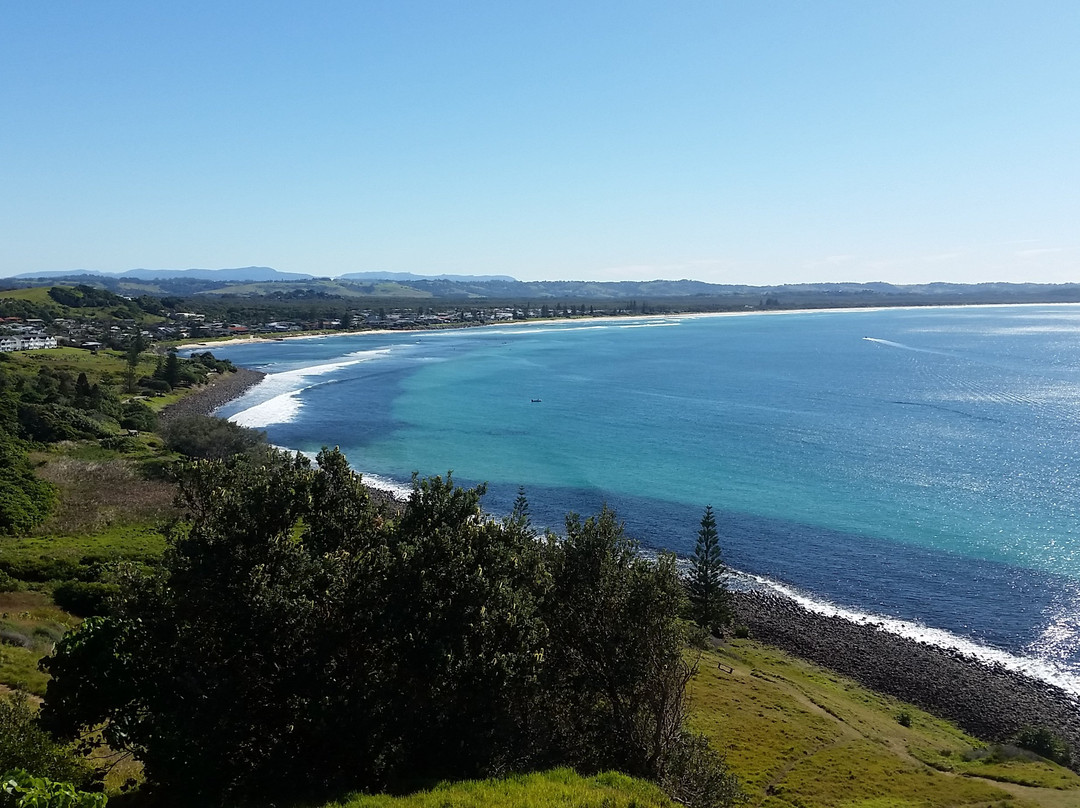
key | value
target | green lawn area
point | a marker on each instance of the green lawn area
(108, 365)
(799, 736)
(559, 787)
(34, 294)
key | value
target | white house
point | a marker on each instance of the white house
(9, 344)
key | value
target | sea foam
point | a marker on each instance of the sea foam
(276, 400)
(1036, 668)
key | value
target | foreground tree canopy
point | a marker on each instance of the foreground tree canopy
(299, 640)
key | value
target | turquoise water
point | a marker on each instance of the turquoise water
(916, 464)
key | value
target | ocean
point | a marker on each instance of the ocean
(916, 468)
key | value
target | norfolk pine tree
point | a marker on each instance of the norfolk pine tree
(709, 596)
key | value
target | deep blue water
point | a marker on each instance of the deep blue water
(921, 465)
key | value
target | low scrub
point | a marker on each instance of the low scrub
(204, 437)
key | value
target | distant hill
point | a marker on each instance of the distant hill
(638, 296)
(411, 276)
(238, 274)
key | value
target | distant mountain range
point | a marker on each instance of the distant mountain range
(247, 274)
(253, 275)
(682, 295)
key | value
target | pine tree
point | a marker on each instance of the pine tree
(172, 369)
(520, 513)
(82, 392)
(709, 595)
(138, 345)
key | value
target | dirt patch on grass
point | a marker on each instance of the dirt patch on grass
(96, 495)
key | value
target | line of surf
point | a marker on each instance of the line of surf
(1033, 667)
(276, 399)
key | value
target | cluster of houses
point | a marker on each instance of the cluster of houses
(24, 335)
(19, 334)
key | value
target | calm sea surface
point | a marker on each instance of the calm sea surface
(917, 466)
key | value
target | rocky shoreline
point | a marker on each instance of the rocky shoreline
(989, 701)
(222, 389)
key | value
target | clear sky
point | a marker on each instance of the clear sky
(758, 141)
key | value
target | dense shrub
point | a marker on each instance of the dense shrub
(1044, 742)
(299, 640)
(209, 361)
(42, 569)
(696, 776)
(25, 745)
(201, 436)
(85, 598)
(25, 499)
(20, 789)
(49, 423)
(9, 584)
(155, 385)
(136, 415)
(119, 443)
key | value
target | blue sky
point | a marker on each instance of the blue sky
(734, 142)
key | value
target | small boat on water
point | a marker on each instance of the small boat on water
(536, 401)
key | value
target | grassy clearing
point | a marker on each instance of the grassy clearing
(108, 511)
(108, 366)
(560, 787)
(30, 625)
(798, 735)
(35, 294)
(102, 491)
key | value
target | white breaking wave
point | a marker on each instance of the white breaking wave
(1035, 668)
(398, 490)
(277, 396)
(278, 410)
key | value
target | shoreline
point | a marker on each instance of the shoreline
(988, 700)
(217, 393)
(685, 315)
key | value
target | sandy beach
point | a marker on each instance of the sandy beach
(209, 345)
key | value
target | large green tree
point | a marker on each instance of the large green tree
(707, 586)
(615, 671)
(299, 639)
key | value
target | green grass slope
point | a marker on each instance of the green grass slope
(556, 788)
(798, 736)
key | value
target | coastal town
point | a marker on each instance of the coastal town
(117, 329)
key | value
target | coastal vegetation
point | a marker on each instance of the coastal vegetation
(299, 639)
